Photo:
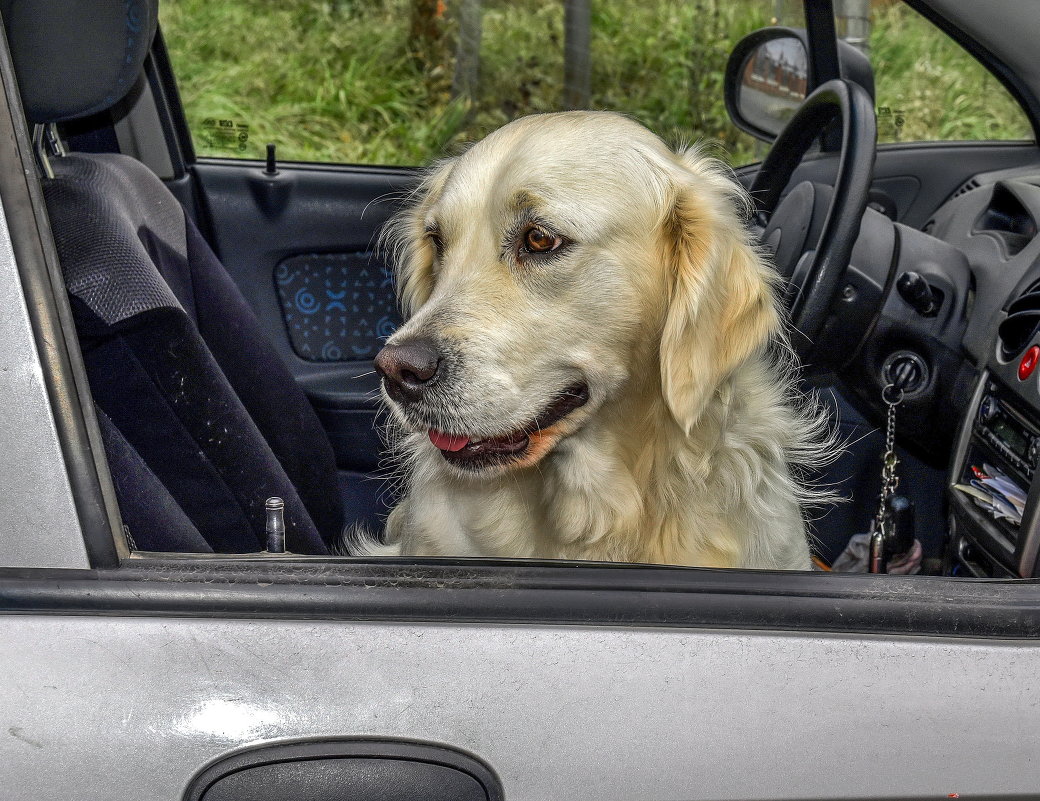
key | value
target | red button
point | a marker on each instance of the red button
(1028, 363)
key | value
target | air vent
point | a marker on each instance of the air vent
(966, 187)
(1007, 219)
(1021, 324)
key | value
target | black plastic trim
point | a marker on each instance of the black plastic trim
(926, 145)
(406, 750)
(975, 144)
(824, 63)
(890, 280)
(159, 89)
(53, 329)
(459, 591)
(168, 100)
(823, 42)
(312, 166)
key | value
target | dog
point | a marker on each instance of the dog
(593, 364)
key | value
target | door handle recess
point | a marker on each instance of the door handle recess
(347, 770)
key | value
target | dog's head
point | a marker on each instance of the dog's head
(560, 262)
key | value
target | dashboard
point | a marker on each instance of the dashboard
(994, 489)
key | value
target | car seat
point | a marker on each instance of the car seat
(200, 419)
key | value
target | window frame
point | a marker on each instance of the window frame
(532, 592)
(50, 316)
(118, 582)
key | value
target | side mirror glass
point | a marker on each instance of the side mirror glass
(773, 83)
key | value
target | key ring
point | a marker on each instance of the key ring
(886, 397)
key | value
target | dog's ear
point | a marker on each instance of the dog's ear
(721, 309)
(412, 251)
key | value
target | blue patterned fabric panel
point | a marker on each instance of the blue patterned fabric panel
(338, 307)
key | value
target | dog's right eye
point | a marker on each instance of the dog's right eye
(537, 240)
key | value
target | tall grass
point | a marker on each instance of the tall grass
(337, 80)
(932, 88)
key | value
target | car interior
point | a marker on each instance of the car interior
(228, 311)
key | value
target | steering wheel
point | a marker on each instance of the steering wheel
(815, 276)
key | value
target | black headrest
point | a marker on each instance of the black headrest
(74, 58)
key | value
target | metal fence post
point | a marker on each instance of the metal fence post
(853, 18)
(467, 57)
(577, 67)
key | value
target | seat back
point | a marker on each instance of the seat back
(193, 396)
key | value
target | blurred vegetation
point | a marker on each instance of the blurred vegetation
(365, 81)
(932, 88)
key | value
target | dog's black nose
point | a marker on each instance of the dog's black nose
(407, 368)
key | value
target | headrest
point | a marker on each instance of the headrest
(74, 58)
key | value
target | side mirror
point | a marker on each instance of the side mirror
(767, 78)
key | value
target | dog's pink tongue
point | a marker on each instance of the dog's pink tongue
(446, 442)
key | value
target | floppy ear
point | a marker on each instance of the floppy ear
(721, 308)
(411, 250)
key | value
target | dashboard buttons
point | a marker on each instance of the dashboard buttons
(1028, 363)
(989, 408)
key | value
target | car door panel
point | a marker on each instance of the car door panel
(143, 704)
(37, 488)
(300, 244)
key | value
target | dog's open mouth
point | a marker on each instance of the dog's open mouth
(476, 454)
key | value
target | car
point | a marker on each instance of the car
(170, 630)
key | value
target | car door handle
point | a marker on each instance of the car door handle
(347, 770)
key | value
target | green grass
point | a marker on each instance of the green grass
(339, 81)
(942, 92)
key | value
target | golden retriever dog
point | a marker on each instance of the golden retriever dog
(593, 365)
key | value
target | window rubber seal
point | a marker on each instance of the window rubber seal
(532, 592)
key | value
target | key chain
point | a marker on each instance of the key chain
(892, 396)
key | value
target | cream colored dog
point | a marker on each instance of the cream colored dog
(586, 371)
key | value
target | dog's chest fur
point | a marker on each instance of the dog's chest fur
(722, 496)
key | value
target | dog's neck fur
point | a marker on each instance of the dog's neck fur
(584, 500)
(691, 515)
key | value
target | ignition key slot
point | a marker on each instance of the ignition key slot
(907, 370)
